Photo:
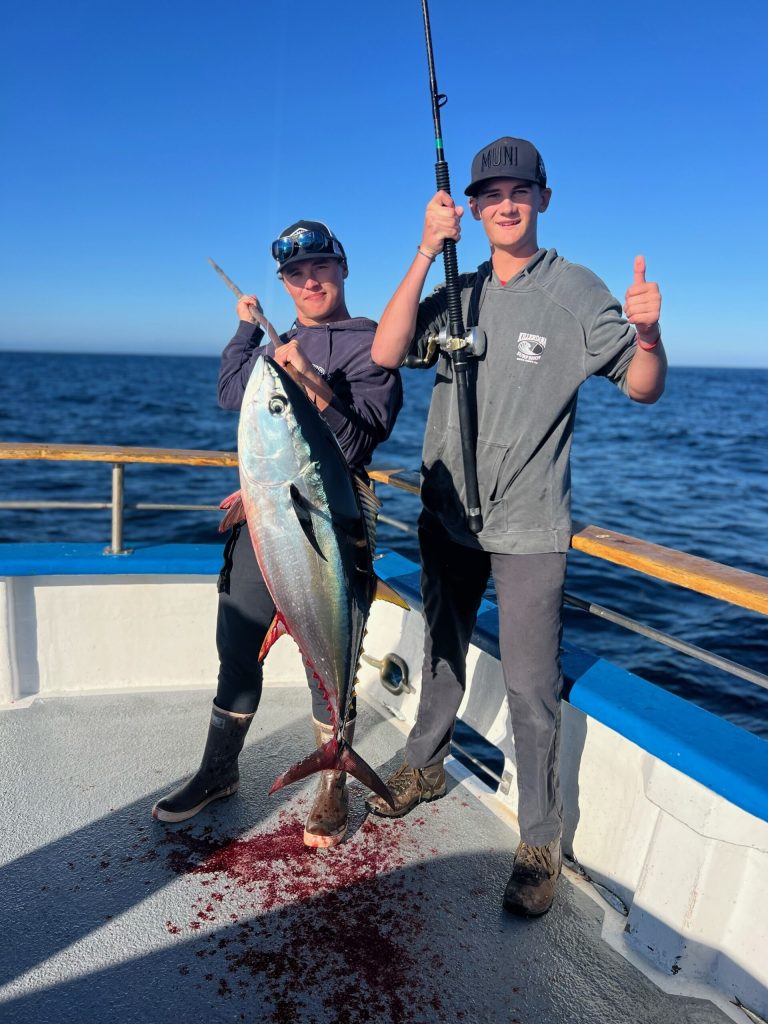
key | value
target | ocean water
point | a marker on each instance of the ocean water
(690, 472)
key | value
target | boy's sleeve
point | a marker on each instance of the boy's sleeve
(609, 339)
(236, 364)
(363, 409)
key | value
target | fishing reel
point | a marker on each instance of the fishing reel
(472, 342)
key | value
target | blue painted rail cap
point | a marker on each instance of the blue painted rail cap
(721, 756)
(90, 560)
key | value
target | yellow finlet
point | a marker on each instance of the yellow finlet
(386, 593)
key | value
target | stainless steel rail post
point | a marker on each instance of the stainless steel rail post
(118, 499)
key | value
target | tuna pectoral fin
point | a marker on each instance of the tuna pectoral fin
(333, 757)
(303, 509)
(386, 593)
(235, 511)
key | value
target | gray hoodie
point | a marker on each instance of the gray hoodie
(549, 328)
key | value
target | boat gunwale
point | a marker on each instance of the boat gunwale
(703, 576)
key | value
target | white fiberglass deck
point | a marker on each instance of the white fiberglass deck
(109, 916)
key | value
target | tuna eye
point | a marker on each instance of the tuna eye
(277, 404)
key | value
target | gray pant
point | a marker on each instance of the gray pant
(529, 590)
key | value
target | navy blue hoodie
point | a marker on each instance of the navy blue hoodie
(366, 397)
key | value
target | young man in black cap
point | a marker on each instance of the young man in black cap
(548, 325)
(329, 353)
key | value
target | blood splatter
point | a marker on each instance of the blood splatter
(336, 929)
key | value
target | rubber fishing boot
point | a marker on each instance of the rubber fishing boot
(531, 889)
(327, 819)
(217, 776)
(409, 787)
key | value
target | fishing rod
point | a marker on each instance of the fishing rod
(457, 343)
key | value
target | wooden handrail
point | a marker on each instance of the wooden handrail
(745, 589)
(116, 454)
(403, 479)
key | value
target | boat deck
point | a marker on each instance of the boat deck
(109, 916)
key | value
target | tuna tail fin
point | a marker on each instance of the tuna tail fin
(350, 761)
(335, 757)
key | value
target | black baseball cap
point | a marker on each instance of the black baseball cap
(306, 240)
(507, 158)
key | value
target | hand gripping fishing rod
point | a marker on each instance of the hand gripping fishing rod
(457, 342)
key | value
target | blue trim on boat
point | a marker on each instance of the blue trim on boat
(90, 560)
(726, 759)
(718, 754)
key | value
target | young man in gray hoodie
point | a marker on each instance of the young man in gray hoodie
(548, 325)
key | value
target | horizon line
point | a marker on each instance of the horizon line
(211, 355)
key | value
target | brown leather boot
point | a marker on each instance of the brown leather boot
(531, 889)
(217, 775)
(327, 819)
(409, 787)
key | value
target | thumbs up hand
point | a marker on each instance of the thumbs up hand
(642, 305)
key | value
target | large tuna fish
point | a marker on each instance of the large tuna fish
(312, 524)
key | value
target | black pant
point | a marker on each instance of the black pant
(245, 613)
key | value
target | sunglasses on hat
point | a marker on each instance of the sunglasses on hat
(304, 241)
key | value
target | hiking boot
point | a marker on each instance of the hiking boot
(217, 776)
(409, 787)
(531, 888)
(327, 819)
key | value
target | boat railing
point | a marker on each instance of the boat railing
(118, 457)
(725, 583)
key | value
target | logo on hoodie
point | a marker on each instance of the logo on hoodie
(530, 347)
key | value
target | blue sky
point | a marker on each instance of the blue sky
(140, 138)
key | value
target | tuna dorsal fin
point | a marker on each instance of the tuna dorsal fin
(370, 505)
(386, 593)
(302, 507)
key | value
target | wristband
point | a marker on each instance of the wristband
(648, 348)
(431, 257)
